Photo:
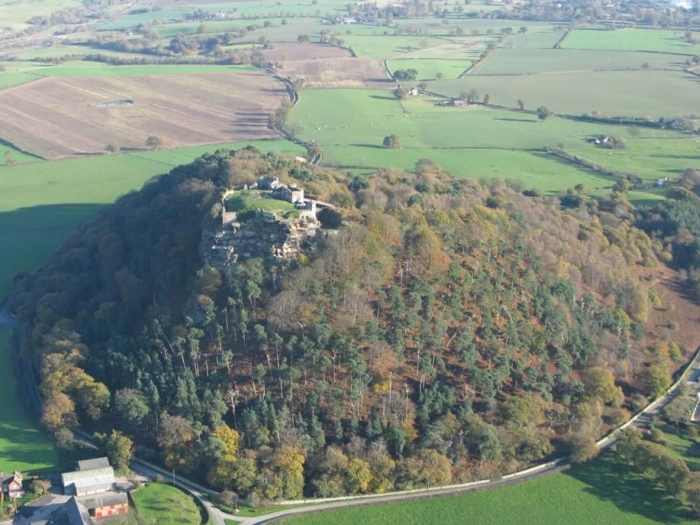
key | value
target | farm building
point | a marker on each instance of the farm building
(88, 482)
(12, 485)
(92, 464)
(105, 505)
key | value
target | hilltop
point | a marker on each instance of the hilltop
(430, 330)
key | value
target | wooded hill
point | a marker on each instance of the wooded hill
(450, 330)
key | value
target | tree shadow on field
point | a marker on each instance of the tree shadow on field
(609, 479)
(374, 146)
(382, 97)
(46, 218)
(516, 120)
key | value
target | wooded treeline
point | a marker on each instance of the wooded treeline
(449, 330)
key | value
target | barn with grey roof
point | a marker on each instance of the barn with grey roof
(88, 482)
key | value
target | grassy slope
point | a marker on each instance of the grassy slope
(23, 446)
(603, 491)
(166, 505)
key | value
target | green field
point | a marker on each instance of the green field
(166, 505)
(518, 61)
(535, 170)
(10, 79)
(534, 40)
(601, 492)
(364, 118)
(627, 93)
(23, 446)
(15, 155)
(429, 69)
(655, 40)
(650, 159)
(477, 142)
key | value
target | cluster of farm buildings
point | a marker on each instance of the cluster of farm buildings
(81, 497)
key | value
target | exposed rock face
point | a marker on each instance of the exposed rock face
(265, 236)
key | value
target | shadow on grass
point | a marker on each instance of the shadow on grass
(379, 97)
(374, 146)
(517, 120)
(46, 218)
(611, 480)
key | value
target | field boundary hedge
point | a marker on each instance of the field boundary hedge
(580, 161)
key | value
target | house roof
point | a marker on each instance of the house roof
(99, 481)
(7, 478)
(76, 513)
(105, 500)
(82, 475)
(92, 464)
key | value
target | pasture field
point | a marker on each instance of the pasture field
(60, 117)
(8, 153)
(480, 142)
(23, 446)
(16, 78)
(521, 61)
(544, 39)
(626, 93)
(365, 117)
(166, 505)
(429, 69)
(655, 40)
(650, 159)
(534, 169)
(602, 491)
(435, 26)
(66, 49)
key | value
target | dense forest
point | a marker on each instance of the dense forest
(676, 223)
(448, 330)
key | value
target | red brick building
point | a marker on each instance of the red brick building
(113, 504)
